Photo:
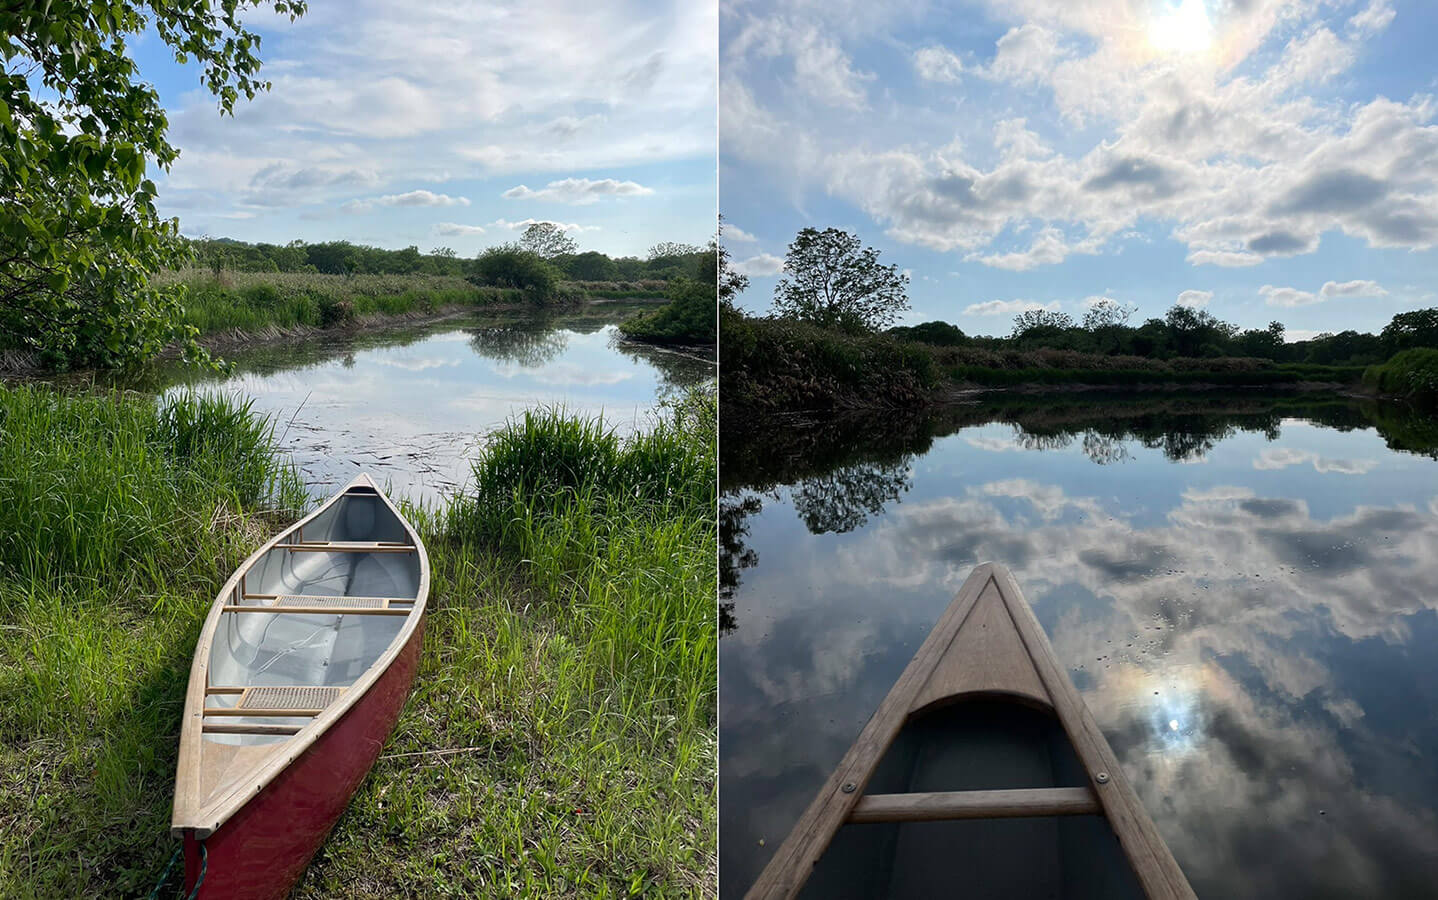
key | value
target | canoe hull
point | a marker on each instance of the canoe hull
(263, 849)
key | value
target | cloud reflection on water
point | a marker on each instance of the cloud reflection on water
(1262, 669)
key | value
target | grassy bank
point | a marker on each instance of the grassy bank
(777, 364)
(686, 320)
(560, 740)
(251, 301)
(1411, 375)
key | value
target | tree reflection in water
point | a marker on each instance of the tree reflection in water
(528, 344)
(843, 470)
(1255, 646)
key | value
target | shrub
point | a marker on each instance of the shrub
(1411, 374)
(688, 318)
(509, 266)
(334, 311)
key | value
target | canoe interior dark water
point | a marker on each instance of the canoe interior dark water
(968, 746)
(1241, 587)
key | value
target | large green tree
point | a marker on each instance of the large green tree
(80, 239)
(833, 280)
(547, 240)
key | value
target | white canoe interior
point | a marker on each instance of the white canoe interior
(296, 636)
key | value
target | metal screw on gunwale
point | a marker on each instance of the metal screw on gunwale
(1101, 778)
(848, 787)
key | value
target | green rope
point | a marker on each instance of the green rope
(204, 867)
(155, 891)
(165, 876)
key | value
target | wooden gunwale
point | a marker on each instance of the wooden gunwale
(203, 819)
(935, 676)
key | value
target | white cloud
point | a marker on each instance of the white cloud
(1024, 55)
(578, 191)
(761, 265)
(735, 234)
(1287, 296)
(827, 72)
(1048, 247)
(1332, 289)
(380, 92)
(525, 223)
(1283, 457)
(455, 229)
(412, 198)
(1194, 299)
(1374, 17)
(938, 64)
(1293, 335)
(1007, 307)
(1230, 148)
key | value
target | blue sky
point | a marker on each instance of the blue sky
(453, 124)
(1263, 159)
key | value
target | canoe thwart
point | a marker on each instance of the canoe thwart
(290, 599)
(948, 805)
(347, 547)
(317, 610)
(320, 604)
(250, 729)
(259, 711)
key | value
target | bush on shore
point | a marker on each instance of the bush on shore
(786, 364)
(688, 318)
(1411, 374)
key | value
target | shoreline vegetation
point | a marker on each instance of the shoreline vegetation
(560, 738)
(238, 293)
(830, 343)
(777, 364)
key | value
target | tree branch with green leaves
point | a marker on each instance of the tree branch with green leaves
(80, 238)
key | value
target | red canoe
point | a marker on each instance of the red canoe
(299, 676)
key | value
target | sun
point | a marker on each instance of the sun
(1182, 28)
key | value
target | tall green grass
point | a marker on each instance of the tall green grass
(570, 665)
(561, 737)
(119, 518)
(1411, 374)
(250, 301)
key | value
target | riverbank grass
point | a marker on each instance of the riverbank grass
(1411, 375)
(560, 739)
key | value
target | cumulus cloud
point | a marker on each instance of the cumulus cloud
(455, 229)
(1007, 307)
(1332, 289)
(1231, 149)
(578, 191)
(1283, 457)
(938, 64)
(1194, 299)
(525, 223)
(412, 198)
(1287, 296)
(1048, 247)
(735, 234)
(373, 96)
(761, 265)
(1374, 17)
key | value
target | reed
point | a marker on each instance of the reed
(561, 737)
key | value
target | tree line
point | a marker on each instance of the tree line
(1186, 332)
(831, 280)
(540, 242)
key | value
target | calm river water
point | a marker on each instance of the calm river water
(1244, 590)
(412, 405)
